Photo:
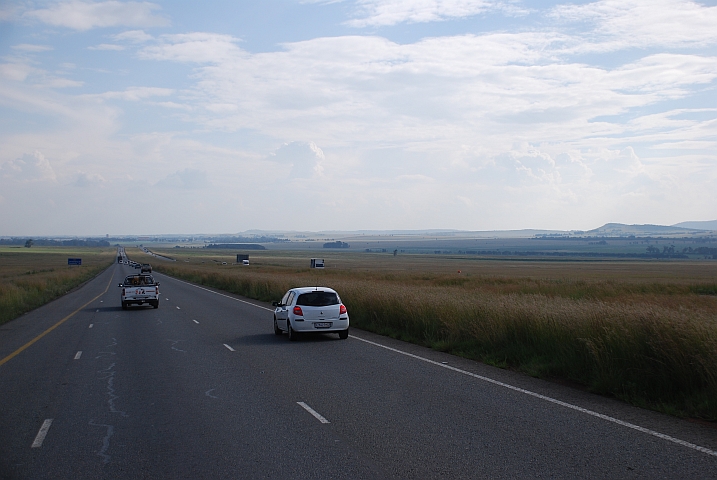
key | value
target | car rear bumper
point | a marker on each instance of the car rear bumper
(306, 326)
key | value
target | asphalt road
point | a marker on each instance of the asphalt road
(202, 388)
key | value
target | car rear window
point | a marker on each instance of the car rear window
(318, 299)
(136, 281)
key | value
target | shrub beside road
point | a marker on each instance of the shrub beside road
(31, 277)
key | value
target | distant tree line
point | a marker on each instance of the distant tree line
(337, 244)
(239, 246)
(29, 242)
(240, 239)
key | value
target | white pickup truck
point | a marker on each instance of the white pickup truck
(139, 289)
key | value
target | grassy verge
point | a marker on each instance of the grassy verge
(643, 332)
(31, 277)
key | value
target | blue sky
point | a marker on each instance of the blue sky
(179, 117)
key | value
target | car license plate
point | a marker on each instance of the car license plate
(322, 325)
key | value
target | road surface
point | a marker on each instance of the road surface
(202, 388)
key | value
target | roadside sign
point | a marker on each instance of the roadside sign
(74, 261)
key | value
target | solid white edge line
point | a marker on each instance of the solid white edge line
(313, 412)
(550, 399)
(40, 437)
(78, 355)
(230, 348)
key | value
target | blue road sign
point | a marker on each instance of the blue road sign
(74, 261)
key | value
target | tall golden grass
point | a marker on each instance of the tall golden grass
(31, 277)
(645, 332)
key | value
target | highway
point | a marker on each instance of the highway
(202, 388)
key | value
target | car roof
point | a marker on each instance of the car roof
(301, 290)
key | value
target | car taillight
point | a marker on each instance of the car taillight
(123, 291)
(156, 290)
(297, 311)
(342, 309)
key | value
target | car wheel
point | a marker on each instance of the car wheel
(292, 334)
(344, 334)
(277, 331)
(156, 304)
(124, 305)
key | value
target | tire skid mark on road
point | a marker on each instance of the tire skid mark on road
(109, 375)
(105, 441)
(549, 399)
(175, 342)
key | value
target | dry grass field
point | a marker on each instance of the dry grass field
(643, 331)
(30, 277)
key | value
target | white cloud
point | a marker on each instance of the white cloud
(193, 47)
(28, 168)
(133, 36)
(106, 46)
(134, 94)
(187, 179)
(304, 159)
(84, 180)
(17, 72)
(618, 24)
(392, 12)
(83, 15)
(29, 47)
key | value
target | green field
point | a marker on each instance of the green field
(644, 331)
(31, 277)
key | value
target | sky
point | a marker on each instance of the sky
(132, 117)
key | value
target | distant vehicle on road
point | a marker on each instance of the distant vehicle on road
(146, 268)
(311, 310)
(139, 289)
(245, 262)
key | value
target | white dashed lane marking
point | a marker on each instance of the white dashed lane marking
(78, 355)
(40, 437)
(91, 325)
(230, 348)
(316, 414)
(196, 322)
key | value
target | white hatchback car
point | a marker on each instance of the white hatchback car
(311, 310)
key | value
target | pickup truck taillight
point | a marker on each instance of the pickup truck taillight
(342, 310)
(298, 312)
(156, 290)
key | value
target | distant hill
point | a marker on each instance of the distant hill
(622, 230)
(707, 225)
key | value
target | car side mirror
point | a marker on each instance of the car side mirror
(120, 285)
(157, 284)
(275, 304)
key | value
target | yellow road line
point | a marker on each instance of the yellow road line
(19, 350)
